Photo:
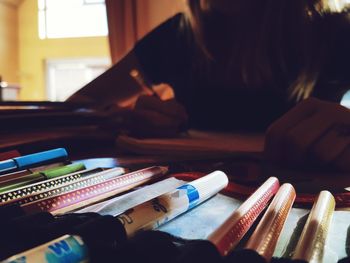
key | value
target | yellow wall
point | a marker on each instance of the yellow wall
(34, 51)
(8, 43)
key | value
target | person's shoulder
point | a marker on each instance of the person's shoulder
(170, 37)
(168, 42)
(169, 29)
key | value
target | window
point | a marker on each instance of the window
(66, 76)
(72, 18)
(338, 5)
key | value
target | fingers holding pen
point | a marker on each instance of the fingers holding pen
(153, 117)
(167, 107)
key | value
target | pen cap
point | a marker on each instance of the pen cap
(210, 184)
(41, 157)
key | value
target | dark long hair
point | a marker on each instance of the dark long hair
(279, 40)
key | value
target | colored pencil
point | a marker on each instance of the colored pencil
(50, 188)
(40, 176)
(266, 234)
(15, 175)
(228, 235)
(81, 197)
(311, 244)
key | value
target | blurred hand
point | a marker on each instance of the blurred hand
(313, 134)
(153, 117)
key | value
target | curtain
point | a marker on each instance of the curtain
(122, 26)
(129, 20)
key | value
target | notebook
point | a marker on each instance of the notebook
(194, 143)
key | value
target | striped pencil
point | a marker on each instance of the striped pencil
(81, 197)
(228, 235)
(54, 187)
(15, 175)
(40, 176)
(311, 244)
(265, 236)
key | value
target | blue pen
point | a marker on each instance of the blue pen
(34, 159)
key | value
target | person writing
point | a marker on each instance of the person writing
(242, 65)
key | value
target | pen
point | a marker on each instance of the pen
(136, 75)
(34, 159)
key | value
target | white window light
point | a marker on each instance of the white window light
(72, 18)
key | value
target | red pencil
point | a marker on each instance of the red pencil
(84, 196)
(227, 236)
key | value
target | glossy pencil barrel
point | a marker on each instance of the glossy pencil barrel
(66, 188)
(81, 197)
(265, 236)
(311, 244)
(49, 185)
(227, 236)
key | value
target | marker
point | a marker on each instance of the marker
(64, 249)
(311, 245)
(164, 208)
(81, 197)
(40, 176)
(228, 235)
(266, 234)
(34, 159)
